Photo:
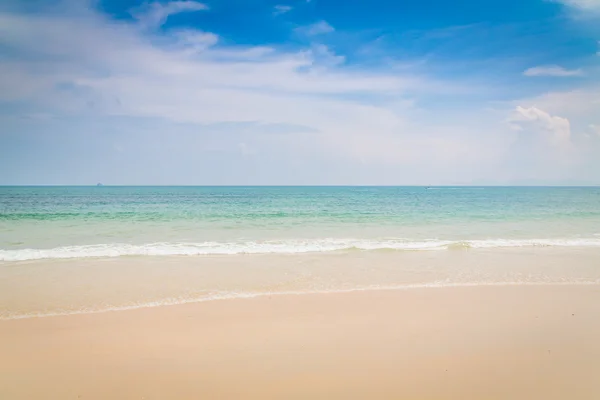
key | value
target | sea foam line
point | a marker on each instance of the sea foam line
(251, 295)
(278, 247)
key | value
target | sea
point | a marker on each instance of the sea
(80, 249)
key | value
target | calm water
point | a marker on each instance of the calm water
(225, 220)
(68, 249)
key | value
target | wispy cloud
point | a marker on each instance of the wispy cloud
(281, 9)
(318, 28)
(183, 77)
(155, 14)
(583, 4)
(552, 70)
(194, 39)
(198, 103)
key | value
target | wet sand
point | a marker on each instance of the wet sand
(512, 342)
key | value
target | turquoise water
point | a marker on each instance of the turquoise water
(66, 250)
(71, 222)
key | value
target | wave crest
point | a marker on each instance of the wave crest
(280, 247)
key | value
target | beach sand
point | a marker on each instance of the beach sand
(509, 342)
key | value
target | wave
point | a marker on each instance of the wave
(280, 247)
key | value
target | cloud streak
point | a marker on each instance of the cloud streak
(281, 9)
(593, 5)
(155, 14)
(318, 28)
(552, 70)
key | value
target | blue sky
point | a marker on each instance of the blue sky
(300, 92)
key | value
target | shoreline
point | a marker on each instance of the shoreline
(492, 342)
(249, 295)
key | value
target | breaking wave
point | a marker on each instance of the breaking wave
(280, 247)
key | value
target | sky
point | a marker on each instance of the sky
(300, 92)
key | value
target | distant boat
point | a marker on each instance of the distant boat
(99, 184)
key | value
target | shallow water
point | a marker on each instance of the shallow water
(82, 249)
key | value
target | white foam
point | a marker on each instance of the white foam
(278, 247)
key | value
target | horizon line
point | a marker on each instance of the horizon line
(333, 185)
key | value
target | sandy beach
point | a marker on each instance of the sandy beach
(506, 342)
(299, 200)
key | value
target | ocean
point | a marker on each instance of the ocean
(87, 249)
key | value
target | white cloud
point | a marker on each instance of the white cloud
(137, 65)
(583, 4)
(305, 107)
(552, 70)
(155, 14)
(578, 110)
(195, 39)
(580, 104)
(543, 148)
(115, 69)
(554, 128)
(281, 9)
(325, 56)
(318, 28)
